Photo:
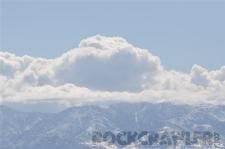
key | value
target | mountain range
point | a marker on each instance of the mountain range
(73, 127)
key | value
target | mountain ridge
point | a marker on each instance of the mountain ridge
(73, 127)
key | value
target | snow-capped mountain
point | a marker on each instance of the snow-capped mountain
(73, 128)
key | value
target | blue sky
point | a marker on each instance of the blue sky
(181, 33)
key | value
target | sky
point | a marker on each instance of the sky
(182, 33)
(74, 53)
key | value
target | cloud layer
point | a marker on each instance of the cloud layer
(105, 69)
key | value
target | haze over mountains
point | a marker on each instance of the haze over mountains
(73, 127)
(137, 91)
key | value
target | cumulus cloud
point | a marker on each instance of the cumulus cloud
(199, 76)
(105, 69)
(107, 64)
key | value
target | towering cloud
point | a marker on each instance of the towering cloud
(105, 69)
(111, 64)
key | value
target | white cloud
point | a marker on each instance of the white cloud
(199, 76)
(105, 69)
(107, 64)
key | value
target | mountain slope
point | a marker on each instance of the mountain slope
(73, 127)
